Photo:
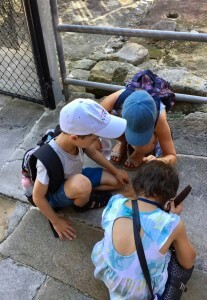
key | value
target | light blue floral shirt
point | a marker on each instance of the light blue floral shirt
(123, 274)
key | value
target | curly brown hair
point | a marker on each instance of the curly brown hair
(156, 179)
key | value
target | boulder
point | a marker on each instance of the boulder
(85, 64)
(184, 81)
(132, 53)
(78, 74)
(112, 72)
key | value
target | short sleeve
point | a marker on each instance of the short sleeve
(42, 175)
(162, 107)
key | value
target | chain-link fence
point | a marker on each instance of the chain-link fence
(18, 74)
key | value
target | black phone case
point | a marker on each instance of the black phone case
(182, 195)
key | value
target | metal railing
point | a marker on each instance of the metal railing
(156, 34)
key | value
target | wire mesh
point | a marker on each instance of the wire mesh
(18, 74)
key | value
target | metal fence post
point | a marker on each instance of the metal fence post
(55, 19)
(40, 56)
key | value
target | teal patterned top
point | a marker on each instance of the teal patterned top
(122, 274)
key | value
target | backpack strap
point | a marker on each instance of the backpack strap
(57, 130)
(122, 97)
(49, 135)
(157, 103)
(52, 163)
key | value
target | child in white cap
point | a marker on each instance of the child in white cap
(82, 122)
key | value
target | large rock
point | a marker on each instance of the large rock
(81, 75)
(112, 72)
(132, 53)
(184, 81)
(85, 64)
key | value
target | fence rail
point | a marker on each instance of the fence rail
(156, 34)
(113, 88)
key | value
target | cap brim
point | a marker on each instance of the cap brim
(114, 129)
(138, 139)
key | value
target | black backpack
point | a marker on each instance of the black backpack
(45, 153)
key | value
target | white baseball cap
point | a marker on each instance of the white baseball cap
(86, 116)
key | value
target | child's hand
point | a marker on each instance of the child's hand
(128, 191)
(149, 158)
(64, 229)
(122, 176)
(175, 210)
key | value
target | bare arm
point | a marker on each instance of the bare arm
(185, 252)
(163, 133)
(98, 157)
(60, 224)
(109, 101)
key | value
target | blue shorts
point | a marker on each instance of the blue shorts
(59, 198)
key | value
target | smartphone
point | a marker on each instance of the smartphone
(182, 195)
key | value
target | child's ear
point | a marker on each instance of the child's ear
(74, 137)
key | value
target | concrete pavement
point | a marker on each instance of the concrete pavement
(35, 265)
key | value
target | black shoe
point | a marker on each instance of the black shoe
(97, 199)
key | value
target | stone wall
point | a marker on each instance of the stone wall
(114, 59)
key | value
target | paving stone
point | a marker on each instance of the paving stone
(15, 131)
(190, 134)
(53, 290)
(4, 100)
(197, 287)
(192, 171)
(11, 213)
(13, 190)
(18, 282)
(33, 244)
(91, 217)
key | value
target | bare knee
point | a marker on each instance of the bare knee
(77, 186)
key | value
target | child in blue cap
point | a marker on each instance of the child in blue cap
(147, 130)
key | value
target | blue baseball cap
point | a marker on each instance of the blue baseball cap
(140, 111)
